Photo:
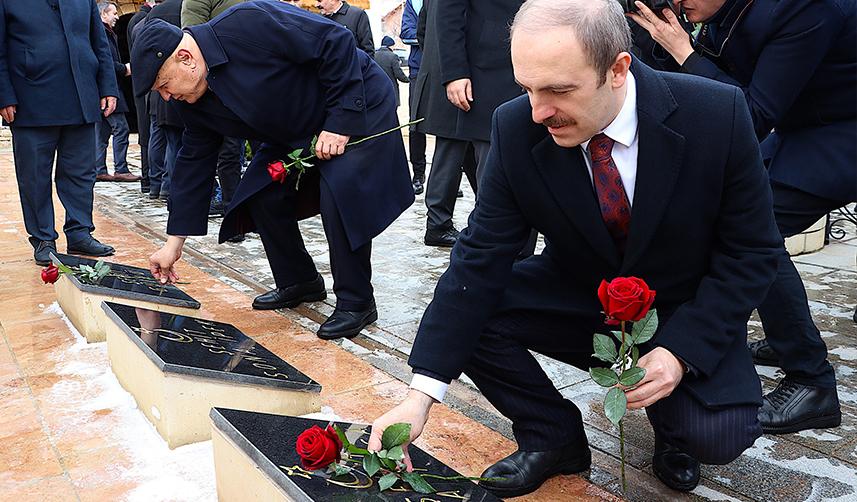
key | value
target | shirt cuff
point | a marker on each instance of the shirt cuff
(429, 386)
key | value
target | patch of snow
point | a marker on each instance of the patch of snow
(709, 493)
(845, 353)
(79, 340)
(823, 436)
(326, 413)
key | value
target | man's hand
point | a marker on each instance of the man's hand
(413, 410)
(668, 32)
(161, 264)
(663, 374)
(330, 144)
(8, 113)
(460, 93)
(108, 105)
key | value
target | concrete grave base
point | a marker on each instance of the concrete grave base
(178, 405)
(84, 309)
(238, 477)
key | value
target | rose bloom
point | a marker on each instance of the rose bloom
(625, 299)
(318, 448)
(50, 274)
(278, 171)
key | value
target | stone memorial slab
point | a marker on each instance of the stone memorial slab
(134, 286)
(179, 367)
(255, 459)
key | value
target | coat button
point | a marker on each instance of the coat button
(160, 54)
(358, 102)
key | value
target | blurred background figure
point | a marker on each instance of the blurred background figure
(353, 18)
(389, 62)
(416, 139)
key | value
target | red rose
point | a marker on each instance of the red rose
(50, 274)
(278, 171)
(625, 299)
(318, 447)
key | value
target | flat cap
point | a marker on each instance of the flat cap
(153, 46)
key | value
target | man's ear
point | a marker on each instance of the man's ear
(619, 71)
(185, 57)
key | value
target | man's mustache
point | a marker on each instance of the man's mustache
(556, 122)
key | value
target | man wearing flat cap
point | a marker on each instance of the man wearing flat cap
(278, 74)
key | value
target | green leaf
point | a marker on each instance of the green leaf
(396, 453)
(387, 480)
(395, 435)
(340, 470)
(605, 349)
(382, 454)
(417, 482)
(356, 450)
(65, 269)
(645, 328)
(631, 376)
(617, 335)
(371, 464)
(604, 377)
(615, 404)
(296, 153)
(635, 355)
(312, 145)
(388, 464)
(345, 442)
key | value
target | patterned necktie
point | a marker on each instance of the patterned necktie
(615, 208)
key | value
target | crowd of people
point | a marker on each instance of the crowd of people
(680, 145)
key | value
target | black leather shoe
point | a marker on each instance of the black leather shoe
(419, 186)
(459, 194)
(236, 238)
(90, 247)
(42, 253)
(674, 468)
(794, 407)
(763, 354)
(442, 237)
(346, 323)
(291, 296)
(524, 471)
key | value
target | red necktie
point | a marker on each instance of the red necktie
(615, 208)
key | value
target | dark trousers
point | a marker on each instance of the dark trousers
(450, 157)
(157, 154)
(34, 149)
(785, 314)
(416, 139)
(143, 131)
(229, 167)
(116, 125)
(273, 212)
(542, 419)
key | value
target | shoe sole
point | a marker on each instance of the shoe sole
(567, 468)
(84, 253)
(824, 422)
(311, 297)
(42, 263)
(350, 333)
(766, 362)
(438, 244)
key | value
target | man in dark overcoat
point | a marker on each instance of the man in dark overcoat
(276, 73)
(626, 172)
(56, 82)
(353, 18)
(796, 63)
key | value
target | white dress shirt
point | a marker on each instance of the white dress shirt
(623, 131)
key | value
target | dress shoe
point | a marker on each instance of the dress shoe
(126, 177)
(291, 296)
(90, 247)
(104, 177)
(763, 354)
(215, 209)
(794, 407)
(236, 238)
(42, 253)
(441, 237)
(346, 323)
(459, 194)
(419, 186)
(165, 196)
(674, 468)
(524, 471)
(154, 195)
(145, 187)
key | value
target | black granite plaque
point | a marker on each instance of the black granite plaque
(133, 283)
(208, 349)
(269, 440)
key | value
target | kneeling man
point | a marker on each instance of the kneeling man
(273, 72)
(626, 172)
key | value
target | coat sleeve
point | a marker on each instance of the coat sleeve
(192, 181)
(480, 268)
(397, 70)
(806, 30)
(450, 26)
(7, 92)
(195, 12)
(743, 261)
(106, 76)
(364, 34)
(408, 33)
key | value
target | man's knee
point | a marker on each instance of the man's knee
(721, 438)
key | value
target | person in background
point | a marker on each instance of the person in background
(416, 138)
(51, 104)
(389, 62)
(140, 106)
(353, 18)
(114, 124)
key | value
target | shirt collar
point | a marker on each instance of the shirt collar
(209, 44)
(623, 129)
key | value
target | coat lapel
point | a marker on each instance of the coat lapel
(659, 159)
(564, 172)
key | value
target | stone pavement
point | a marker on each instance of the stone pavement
(813, 465)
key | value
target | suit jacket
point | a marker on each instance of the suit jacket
(702, 235)
(118, 67)
(357, 22)
(54, 62)
(796, 62)
(389, 62)
(332, 86)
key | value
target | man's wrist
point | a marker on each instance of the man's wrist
(429, 386)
